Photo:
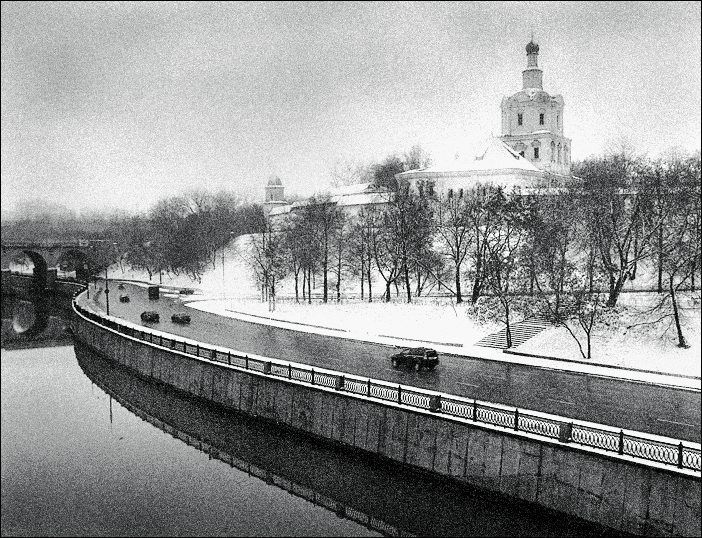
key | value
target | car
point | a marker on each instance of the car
(120, 287)
(180, 317)
(150, 316)
(186, 291)
(416, 357)
(124, 298)
(153, 292)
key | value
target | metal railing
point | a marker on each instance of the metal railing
(636, 445)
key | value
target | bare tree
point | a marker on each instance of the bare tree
(453, 225)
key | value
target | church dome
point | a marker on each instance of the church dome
(532, 48)
(274, 181)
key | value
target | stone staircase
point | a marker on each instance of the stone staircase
(521, 332)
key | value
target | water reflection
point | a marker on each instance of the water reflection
(33, 323)
(379, 495)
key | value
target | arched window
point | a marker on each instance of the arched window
(553, 151)
(566, 156)
(559, 154)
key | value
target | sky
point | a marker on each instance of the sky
(119, 104)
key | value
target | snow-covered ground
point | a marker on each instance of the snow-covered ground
(437, 321)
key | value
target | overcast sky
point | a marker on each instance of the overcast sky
(118, 104)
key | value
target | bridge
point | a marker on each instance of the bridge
(85, 256)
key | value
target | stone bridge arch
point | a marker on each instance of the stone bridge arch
(46, 257)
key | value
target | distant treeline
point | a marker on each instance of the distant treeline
(180, 234)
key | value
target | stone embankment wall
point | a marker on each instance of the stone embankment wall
(610, 490)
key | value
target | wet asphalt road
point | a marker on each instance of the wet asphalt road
(638, 406)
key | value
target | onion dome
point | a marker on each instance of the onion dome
(532, 48)
(274, 181)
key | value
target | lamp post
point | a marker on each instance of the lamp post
(107, 287)
(107, 292)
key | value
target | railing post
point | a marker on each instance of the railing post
(213, 354)
(680, 455)
(160, 339)
(267, 367)
(313, 376)
(247, 362)
(229, 358)
(621, 441)
(197, 349)
(435, 403)
(368, 393)
(475, 411)
(289, 371)
(339, 382)
(565, 431)
(516, 420)
(399, 394)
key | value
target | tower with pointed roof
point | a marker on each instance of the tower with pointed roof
(532, 120)
(275, 195)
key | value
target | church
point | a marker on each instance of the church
(532, 152)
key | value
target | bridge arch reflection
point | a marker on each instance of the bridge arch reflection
(381, 495)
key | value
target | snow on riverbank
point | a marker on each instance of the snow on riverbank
(434, 321)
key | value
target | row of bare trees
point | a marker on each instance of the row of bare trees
(566, 252)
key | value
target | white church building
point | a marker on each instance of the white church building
(531, 152)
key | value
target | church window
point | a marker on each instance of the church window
(430, 189)
(553, 151)
(536, 153)
(520, 118)
(559, 154)
(450, 193)
(558, 121)
(541, 118)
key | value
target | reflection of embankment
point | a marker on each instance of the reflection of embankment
(378, 495)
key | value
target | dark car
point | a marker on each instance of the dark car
(120, 287)
(150, 316)
(180, 317)
(124, 298)
(416, 357)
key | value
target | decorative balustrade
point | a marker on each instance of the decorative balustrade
(638, 446)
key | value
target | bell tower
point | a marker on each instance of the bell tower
(532, 120)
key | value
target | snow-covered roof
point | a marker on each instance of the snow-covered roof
(494, 155)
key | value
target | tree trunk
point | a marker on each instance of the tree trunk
(660, 259)
(676, 314)
(615, 288)
(309, 286)
(325, 266)
(509, 329)
(370, 289)
(387, 292)
(304, 285)
(459, 297)
(407, 284)
(589, 345)
(363, 274)
(297, 294)
(477, 283)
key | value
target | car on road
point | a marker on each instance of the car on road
(416, 358)
(124, 298)
(150, 316)
(180, 317)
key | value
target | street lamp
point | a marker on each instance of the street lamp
(107, 288)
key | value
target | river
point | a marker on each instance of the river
(90, 449)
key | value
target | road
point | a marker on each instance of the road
(662, 410)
